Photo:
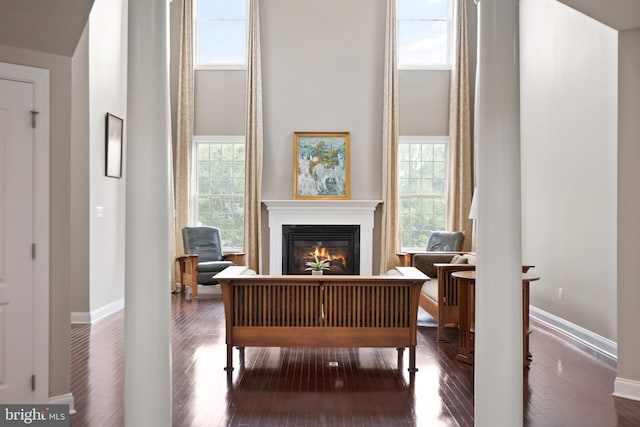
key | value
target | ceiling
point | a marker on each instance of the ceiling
(55, 26)
(52, 26)
(620, 15)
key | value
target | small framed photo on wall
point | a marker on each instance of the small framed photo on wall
(113, 146)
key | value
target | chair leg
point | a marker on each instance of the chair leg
(194, 279)
(188, 275)
(412, 359)
(400, 357)
(440, 332)
(180, 274)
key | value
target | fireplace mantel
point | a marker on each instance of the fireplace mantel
(309, 212)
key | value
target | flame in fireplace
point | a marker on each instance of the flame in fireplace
(336, 262)
(321, 253)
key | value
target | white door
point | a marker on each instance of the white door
(16, 239)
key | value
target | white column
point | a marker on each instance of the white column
(498, 333)
(147, 272)
(627, 382)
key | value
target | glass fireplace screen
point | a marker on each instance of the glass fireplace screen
(337, 244)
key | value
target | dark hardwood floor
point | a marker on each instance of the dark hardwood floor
(567, 385)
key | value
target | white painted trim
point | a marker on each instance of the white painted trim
(603, 345)
(106, 310)
(627, 389)
(211, 65)
(219, 139)
(89, 318)
(343, 212)
(80, 318)
(193, 197)
(450, 46)
(64, 399)
(419, 67)
(220, 67)
(415, 139)
(39, 77)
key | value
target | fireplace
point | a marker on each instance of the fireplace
(321, 212)
(339, 245)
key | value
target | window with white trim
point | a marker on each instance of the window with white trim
(424, 34)
(220, 34)
(422, 173)
(219, 186)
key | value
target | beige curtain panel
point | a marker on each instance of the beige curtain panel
(460, 181)
(254, 136)
(390, 234)
(184, 139)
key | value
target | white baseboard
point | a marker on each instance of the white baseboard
(64, 399)
(627, 389)
(83, 317)
(80, 318)
(603, 345)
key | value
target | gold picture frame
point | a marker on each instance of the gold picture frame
(321, 165)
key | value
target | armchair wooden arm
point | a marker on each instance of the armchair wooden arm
(405, 259)
(236, 257)
(187, 274)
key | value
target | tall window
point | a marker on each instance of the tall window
(219, 186)
(424, 33)
(220, 34)
(422, 174)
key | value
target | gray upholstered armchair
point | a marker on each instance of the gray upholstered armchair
(203, 257)
(439, 241)
(445, 241)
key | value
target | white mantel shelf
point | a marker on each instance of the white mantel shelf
(333, 204)
(310, 212)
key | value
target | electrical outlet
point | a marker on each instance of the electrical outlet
(560, 294)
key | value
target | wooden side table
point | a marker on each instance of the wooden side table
(466, 302)
(466, 280)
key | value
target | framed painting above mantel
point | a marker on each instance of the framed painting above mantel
(321, 165)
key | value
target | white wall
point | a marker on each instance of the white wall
(322, 71)
(80, 169)
(322, 64)
(107, 93)
(424, 102)
(569, 154)
(629, 207)
(328, 77)
(219, 102)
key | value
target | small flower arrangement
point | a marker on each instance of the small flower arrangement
(317, 265)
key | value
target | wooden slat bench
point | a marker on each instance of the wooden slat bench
(321, 311)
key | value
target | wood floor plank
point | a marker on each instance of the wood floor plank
(567, 385)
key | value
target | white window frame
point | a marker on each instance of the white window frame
(215, 65)
(193, 199)
(412, 139)
(450, 40)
